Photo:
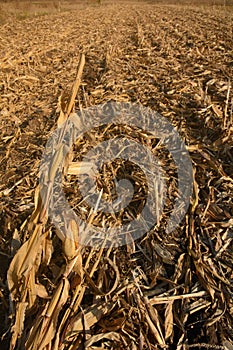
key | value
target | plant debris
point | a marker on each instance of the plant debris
(163, 290)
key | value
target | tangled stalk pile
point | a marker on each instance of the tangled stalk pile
(164, 290)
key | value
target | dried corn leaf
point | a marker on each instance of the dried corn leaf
(92, 315)
(44, 330)
(23, 262)
(113, 336)
(168, 324)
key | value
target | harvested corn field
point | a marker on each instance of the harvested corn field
(162, 290)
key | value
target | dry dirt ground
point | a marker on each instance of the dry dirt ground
(178, 61)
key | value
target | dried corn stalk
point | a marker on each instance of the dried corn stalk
(22, 273)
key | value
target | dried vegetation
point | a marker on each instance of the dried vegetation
(164, 291)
